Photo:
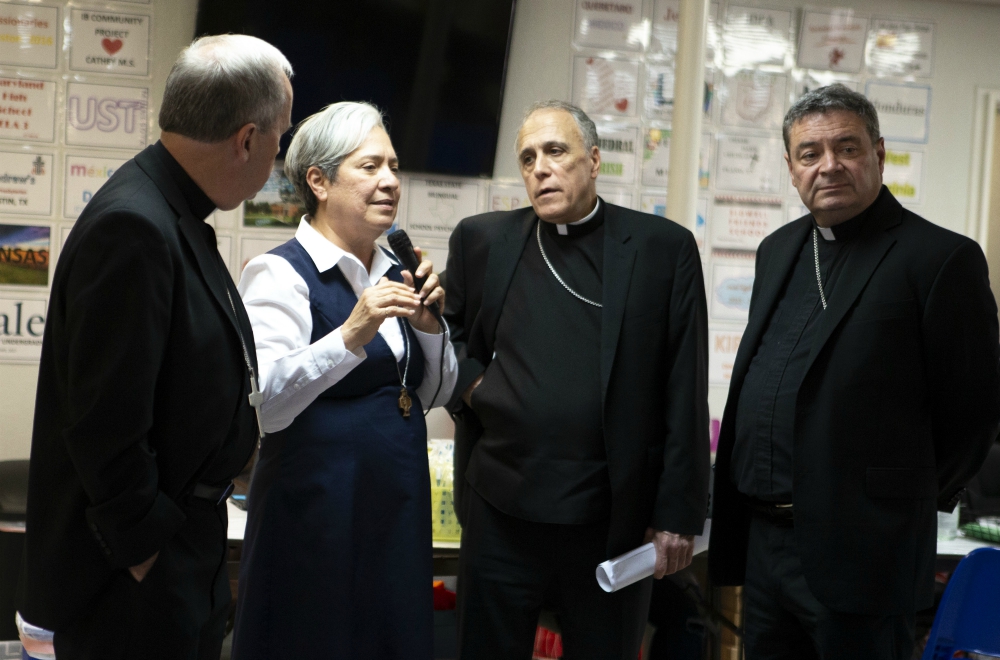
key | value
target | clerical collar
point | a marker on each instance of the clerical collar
(199, 203)
(846, 230)
(581, 227)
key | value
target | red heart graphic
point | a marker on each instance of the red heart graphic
(111, 46)
(621, 104)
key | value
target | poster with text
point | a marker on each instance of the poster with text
(813, 80)
(832, 40)
(723, 342)
(903, 110)
(27, 109)
(659, 98)
(754, 99)
(29, 35)
(107, 116)
(26, 183)
(904, 174)
(741, 223)
(618, 153)
(617, 25)
(752, 36)
(84, 175)
(606, 87)
(24, 254)
(22, 325)
(109, 42)
(749, 163)
(435, 206)
(732, 284)
(276, 205)
(666, 18)
(615, 195)
(655, 157)
(898, 48)
(507, 197)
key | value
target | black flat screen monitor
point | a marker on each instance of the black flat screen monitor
(435, 67)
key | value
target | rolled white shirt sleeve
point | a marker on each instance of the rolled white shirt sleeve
(433, 373)
(293, 371)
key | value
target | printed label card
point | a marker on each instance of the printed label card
(903, 110)
(435, 206)
(22, 325)
(107, 116)
(654, 204)
(606, 87)
(731, 286)
(755, 36)
(27, 109)
(29, 35)
(749, 163)
(109, 42)
(898, 48)
(618, 153)
(904, 174)
(723, 343)
(666, 19)
(659, 100)
(84, 176)
(26, 183)
(754, 99)
(656, 157)
(832, 40)
(617, 24)
(508, 197)
(741, 223)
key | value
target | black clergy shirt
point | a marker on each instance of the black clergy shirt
(765, 416)
(232, 455)
(541, 456)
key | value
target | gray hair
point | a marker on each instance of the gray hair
(221, 83)
(324, 140)
(588, 131)
(831, 99)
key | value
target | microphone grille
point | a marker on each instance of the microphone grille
(398, 240)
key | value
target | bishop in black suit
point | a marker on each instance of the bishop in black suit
(865, 394)
(143, 415)
(580, 328)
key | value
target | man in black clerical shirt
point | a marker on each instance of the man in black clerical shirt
(581, 414)
(865, 394)
(144, 409)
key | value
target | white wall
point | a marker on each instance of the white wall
(173, 28)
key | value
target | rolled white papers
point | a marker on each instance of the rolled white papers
(638, 564)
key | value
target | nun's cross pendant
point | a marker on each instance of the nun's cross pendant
(405, 402)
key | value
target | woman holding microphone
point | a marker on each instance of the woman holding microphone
(337, 561)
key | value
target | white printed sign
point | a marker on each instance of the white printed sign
(666, 18)
(741, 223)
(606, 87)
(507, 197)
(656, 157)
(903, 175)
(749, 163)
(618, 24)
(754, 99)
(659, 102)
(109, 42)
(732, 284)
(755, 36)
(437, 205)
(900, 48)
(723, 343)
(25, 183)
(903, 110)
(654, 204)
(22, 324)
(27, 109)
(107, 116)
(618, 153)
(84, 176)
(832, 40)
(28, 35)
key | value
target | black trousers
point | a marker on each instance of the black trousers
(178, 611)
(509, 568)
(784, 621)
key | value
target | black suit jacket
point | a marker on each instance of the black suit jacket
(653, 359)
(142, 380)
(897, 409)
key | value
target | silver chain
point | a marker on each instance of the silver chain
(819, 280)
(538, 234)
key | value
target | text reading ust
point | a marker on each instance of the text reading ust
(106, 115)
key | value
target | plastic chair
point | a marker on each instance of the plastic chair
(968, 618)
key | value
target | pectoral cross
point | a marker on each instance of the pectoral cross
(405, 402)
(256, 400)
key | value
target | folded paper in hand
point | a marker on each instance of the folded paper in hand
(635, 565)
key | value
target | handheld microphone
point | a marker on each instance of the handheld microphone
(403, 248)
